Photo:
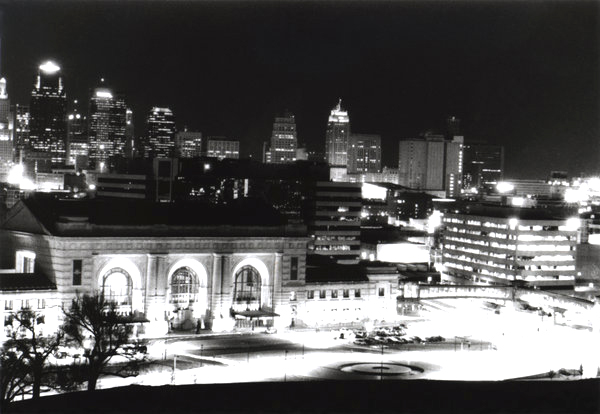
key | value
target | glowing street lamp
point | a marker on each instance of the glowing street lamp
(504, 187)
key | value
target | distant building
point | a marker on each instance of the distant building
(504, 245)
(188, 144)
(20, 115)
(7, 147)
(130, 143)
(284, 139)
(333, 217)
(134, 186)
(77, 138)
(483, 165)
(107, 123)
(48, 114)
(364, 153)
(222, 147)
(160, 135)
(431, 163)
(337, 137)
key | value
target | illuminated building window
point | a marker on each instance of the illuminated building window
(292, 296)
(381, 291)
(334, 294)
(25, 304)
(41, 303)
(117, 287)
(184, 287)
(322, 294)
(77, 266)
(247, 287)
(294, 269)
(346, 293)
(310, 294)
(357, 293)
(8, 305)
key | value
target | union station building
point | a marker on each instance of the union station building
(178, 266)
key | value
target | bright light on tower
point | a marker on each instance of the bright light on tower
(15, 176)
(49, 67)
(504, 187)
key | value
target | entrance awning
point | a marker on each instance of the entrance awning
(256, 313)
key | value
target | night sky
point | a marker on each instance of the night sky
(521, 74)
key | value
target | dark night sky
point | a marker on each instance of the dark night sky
(521, 74)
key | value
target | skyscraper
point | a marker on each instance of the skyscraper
(48, 114)
(130, 144)
(364, 154)
(77, 137)
(188, 144)
(160, 135)
(107, 124)
(338, 133)
(431, 163)
(20, 115)
(483, 165)
(6, 131)
(284, 139)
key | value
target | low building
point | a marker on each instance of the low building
(174, 265)
(507, 246)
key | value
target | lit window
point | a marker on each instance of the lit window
(292, 296)
(357, 293)
(381, 291)
(334, 294)
(322, 294)
(311, 294)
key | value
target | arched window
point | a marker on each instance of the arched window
(247, 286)
(117, 287)
(184, 287)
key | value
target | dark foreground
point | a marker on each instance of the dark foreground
(417, 396)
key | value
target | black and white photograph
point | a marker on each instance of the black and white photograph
(333, 206)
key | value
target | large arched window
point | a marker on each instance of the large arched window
(184, 287)
(117, 287)
(247, 287)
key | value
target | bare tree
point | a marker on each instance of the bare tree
(32, 347)
(95, 325)
(14, 374)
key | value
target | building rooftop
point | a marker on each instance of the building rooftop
(123, 217)
(499, 211)
(320, 269)
(10, 282)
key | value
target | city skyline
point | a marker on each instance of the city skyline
(519, 75)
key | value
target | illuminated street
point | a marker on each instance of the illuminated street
(509, 345)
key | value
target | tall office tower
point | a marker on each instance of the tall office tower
(431, 163)
(364, 153)
(222, 147)
(130, 146)
(188, 144)
(107, 124)
(452, 127)
(284, 139)
(453, 166)
(266, 153)
(6, 131)
(160, 136)
(20, 114)
(483, 165)
(332, 213)
(48, 115)
(338, 133)
(77, 137)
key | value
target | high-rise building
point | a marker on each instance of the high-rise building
(130, 144)
(77, 137)
(222, 147)
(188, 144)
(364, 153)
(284, 139)
(333, 213)
(452, 127)
(160, 135)
(107, 124)
(483, 165)
(48, 115)
(6, 132)
(20, 115)
(431, 163)
(338, 134)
